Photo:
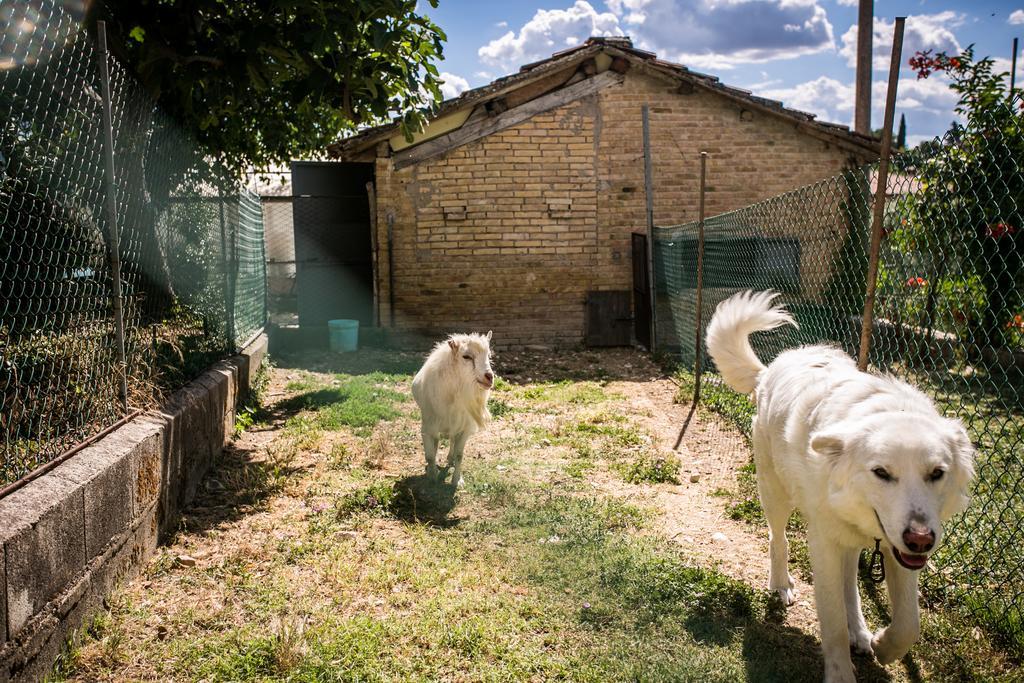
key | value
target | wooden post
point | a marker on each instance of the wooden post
(862, 93)
(881, 189)
(1013, 69)
(113, 238)
(649, 191)
(371, 196)
(697, 342)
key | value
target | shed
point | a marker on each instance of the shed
(516, 206)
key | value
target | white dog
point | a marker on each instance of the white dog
(451, 390)
(867, 460)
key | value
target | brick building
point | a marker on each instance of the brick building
(521, 196)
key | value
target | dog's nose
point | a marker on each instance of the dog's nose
(489, 376)
(919, 539)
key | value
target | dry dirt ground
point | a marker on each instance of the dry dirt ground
(581, 548)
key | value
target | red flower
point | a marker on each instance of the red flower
(955, 63)
(915, 282)
(999, 230)
(1017, 322)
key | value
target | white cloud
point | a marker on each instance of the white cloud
(1017, 17)
(502, 24)
(718, 34)
(453, 85)
(832, 100)
(547, 32)
(848, 3)
(922, 32)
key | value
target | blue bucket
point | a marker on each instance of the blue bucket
(343, 334)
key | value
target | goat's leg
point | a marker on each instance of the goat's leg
(430, 452)
(455, 458)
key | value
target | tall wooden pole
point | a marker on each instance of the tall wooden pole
(880, 193)
(862, 96)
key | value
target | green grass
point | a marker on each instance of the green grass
(356, 401)
(566, 392)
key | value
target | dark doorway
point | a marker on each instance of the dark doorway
(333, 253)
(641, 291)
(609, 322)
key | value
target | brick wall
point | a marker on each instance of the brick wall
(510, 232)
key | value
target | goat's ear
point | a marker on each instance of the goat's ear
(488, 335)
(453, 345)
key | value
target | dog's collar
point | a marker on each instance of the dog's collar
(876, 565)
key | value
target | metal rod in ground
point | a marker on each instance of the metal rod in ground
(697, 345)
(1013, 69)
(881, 191)
(649, 192)
(113, 239)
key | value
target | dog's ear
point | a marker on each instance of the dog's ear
(961, 473)
(488, 335)
(453, 345)
(830, 444)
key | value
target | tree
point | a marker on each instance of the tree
(901, 136)
(258, 82)
(972, 197)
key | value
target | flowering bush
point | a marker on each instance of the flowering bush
(959, 232)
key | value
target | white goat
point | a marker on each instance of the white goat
(451, 390)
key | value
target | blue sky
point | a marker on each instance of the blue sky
(797, 51)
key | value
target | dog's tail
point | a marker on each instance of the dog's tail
(728, 334)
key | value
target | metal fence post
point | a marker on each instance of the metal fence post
(113, 240)
(881, 191)
(698, 346)
(649, 192)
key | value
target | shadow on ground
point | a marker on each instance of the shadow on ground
(360, 362)
(420, 499)
(239, 482)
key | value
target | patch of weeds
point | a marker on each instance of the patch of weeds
(579, 468)
(245, 418)
(499, 408)
(736, 408)
(359, 402)
(377, 498)
(659, 584)
(250, 411)
(303, 432)
(307, 382)
(103, 641)
(650, 468)
(339, 457)
(567, 392)
(500, 384)
(575, 521)
(746, 505)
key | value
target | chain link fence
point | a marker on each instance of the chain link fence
(949, 318)
(189, 244)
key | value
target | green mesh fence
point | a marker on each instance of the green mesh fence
(190, 244)
(949, 316)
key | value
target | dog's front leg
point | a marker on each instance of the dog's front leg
(827, 565)
(896, 639)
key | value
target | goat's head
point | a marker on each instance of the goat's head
(471, 357)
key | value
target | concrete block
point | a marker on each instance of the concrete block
(43, 533)
(104, 470)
